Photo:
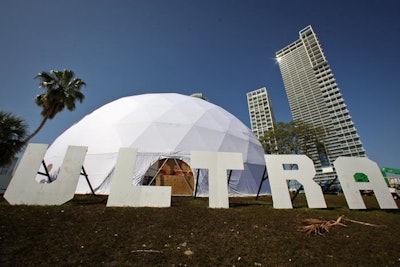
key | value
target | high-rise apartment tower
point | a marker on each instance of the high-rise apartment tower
(315, 98)
(260, 110)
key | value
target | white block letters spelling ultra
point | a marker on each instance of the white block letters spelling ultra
(25, 190)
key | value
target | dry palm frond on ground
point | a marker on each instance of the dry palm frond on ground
(317, 226)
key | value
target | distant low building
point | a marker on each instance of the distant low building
(199, 95)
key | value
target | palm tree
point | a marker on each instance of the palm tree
(61, 90)
(13, 131)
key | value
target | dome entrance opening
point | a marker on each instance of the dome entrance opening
(171, 172)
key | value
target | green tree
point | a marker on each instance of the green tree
(61, 89)
(280, 140)
(295, 137)
(13, 131)
(309, 136)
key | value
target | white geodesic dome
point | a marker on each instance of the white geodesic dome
(160, 126)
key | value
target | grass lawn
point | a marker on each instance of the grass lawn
(84, 232)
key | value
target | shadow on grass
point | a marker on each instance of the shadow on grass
(87, 200)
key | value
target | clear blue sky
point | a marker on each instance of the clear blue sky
(223, 49)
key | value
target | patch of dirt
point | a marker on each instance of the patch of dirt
(84, 232)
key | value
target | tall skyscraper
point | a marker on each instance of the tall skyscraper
(315, 98)
(260, 110)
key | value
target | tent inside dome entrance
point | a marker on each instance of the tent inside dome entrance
(171, 172)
